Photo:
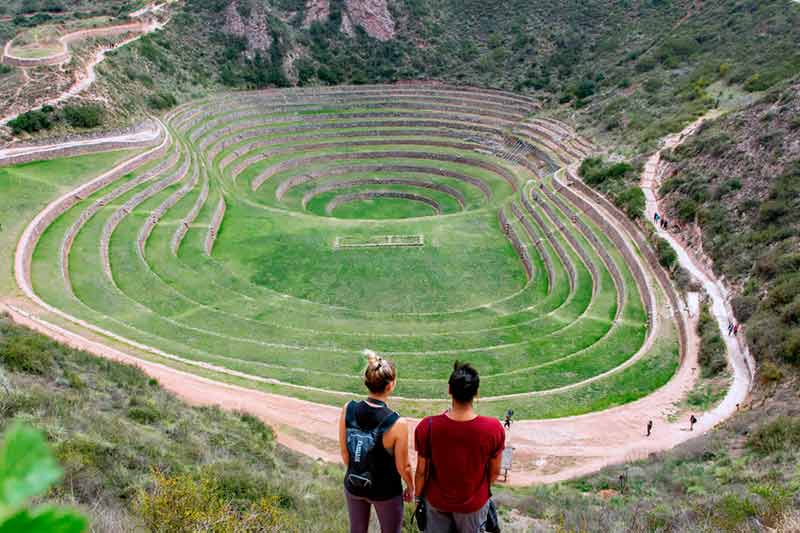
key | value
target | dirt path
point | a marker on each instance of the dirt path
(741, 362)
(141, 135)
(544, 450)
(87, 74)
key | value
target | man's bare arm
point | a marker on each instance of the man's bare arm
(419, 476)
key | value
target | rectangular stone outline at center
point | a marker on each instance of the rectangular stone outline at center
(379, 241)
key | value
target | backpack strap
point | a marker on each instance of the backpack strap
(350, 415)
(387, 422)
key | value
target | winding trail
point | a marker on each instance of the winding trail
(545, 450)
(87, 73)
(741, 361)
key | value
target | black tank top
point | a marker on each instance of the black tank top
(389, 484)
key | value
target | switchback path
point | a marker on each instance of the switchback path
(87, 74)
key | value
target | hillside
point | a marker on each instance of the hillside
(137, 458)
(627, 71)
(735, 189)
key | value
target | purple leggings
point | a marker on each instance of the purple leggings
(390, 513)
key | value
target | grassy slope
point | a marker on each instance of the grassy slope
(111, 426)
(741, 477)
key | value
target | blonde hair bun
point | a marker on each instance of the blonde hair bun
(379, 373)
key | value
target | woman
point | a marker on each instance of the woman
(374, 444)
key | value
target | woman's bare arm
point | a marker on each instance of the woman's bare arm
(401, 461)
(343, 437)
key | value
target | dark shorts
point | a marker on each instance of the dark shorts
(442, 522)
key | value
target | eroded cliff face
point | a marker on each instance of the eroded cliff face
(317, 11)
(253, 28)
(372, 15)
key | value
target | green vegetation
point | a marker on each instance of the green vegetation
(277, 301)
(187, 469)
(712, 347)
(615, 180)
(78, 116)
(27, 470)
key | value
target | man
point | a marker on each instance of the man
(692, 422)
(649, 427)
(509, 415)
(459, 457)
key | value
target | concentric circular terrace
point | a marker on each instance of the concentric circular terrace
(274, 236)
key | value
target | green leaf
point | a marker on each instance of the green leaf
(27, 466)
(44, 520)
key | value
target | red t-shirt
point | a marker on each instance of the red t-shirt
(459, 480)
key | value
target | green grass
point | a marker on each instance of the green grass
(277, 301)
(26, 189)
(382, 208)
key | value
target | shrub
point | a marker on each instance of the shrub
(182, 503)
(769, 372)
(631, 201)
(144, 414)
(595, 171)
(31, 122)
(782, 433)
(26, 353)
(84, 116)
(686, 209)
(712, 347)
(162, 100)
(666, 255)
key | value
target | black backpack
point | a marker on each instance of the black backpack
(362, 446)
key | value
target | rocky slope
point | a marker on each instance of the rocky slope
(735, 190)
(372, 15)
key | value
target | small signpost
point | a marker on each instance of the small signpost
(505, 465)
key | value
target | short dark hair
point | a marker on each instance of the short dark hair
(464, 382)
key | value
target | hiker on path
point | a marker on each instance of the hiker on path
(735, 329)
(509, 415)
(730, 328)
(459, 457)
(692, 422)
(655, 217)
(649, 427)
(374, 444)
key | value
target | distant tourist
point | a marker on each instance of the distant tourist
(649, 427)
(730, 327)
(655, 217)
(374, 446)
(692, 422)
(459, 457)
(735, 329)
(509, 416)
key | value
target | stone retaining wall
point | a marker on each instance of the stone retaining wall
(295, 163)
(216, 224)
(516, 243)
(646, 251)
(450, 191)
